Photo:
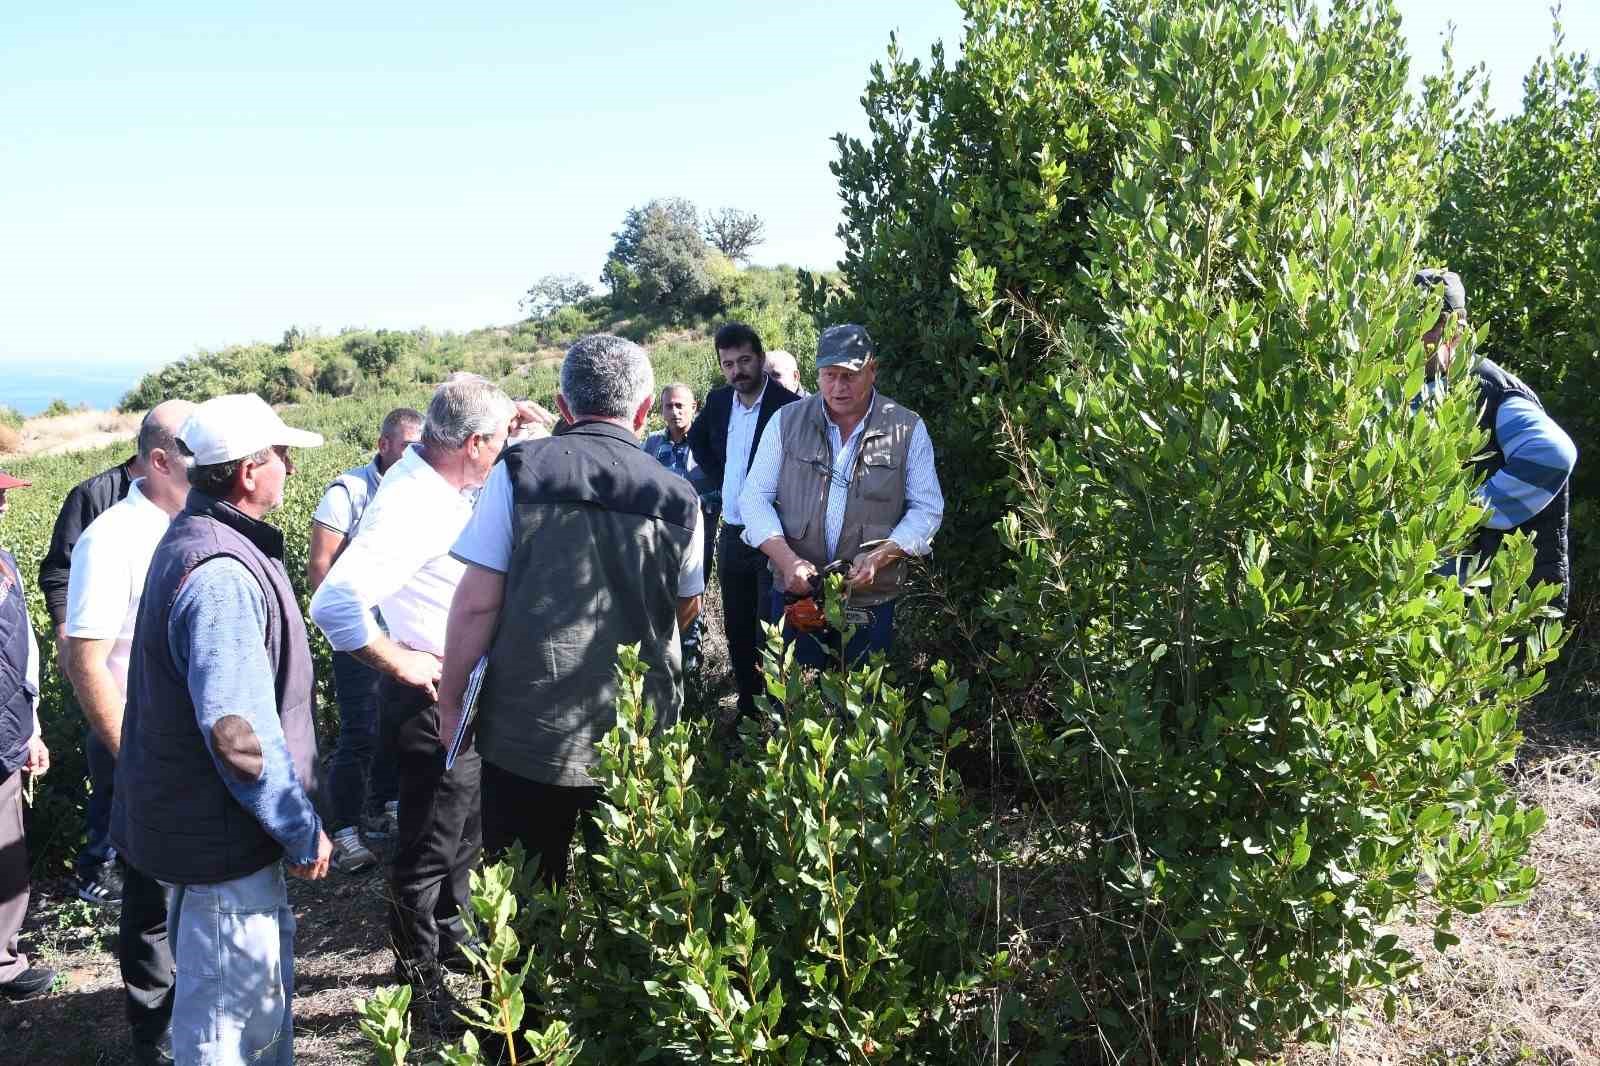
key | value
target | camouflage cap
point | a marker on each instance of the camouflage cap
(849, 346)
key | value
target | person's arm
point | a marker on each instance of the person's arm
(87, 668)
(692, 575)
(1539, 460)
(474, 613)
(762, 527)
(38, 763)
(217, 634)
(700, 444)
(77, 511)
(913, 534)
(99, 589)
(331, 524)
(372, 568)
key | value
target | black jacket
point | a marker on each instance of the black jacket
(708, 437)
(82, 506)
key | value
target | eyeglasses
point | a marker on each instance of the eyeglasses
(827, 471)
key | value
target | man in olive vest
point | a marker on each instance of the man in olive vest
(219, 746)
(1530, 459)
(579, 543)
(844, 476)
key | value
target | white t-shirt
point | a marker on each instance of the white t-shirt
(345, 500)
(399, 564)
(106, 580)
(488, 540)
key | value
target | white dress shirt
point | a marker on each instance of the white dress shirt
(106, 581)
(741, 435)
(399, 564)
(924, 499)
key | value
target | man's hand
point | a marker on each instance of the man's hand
(865, 566)
(450, 714)
(38, 763)
(531, 420)
(797, 576)
(317, 868)
(419, 669)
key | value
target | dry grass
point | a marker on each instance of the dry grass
(1523, 986)
(80, 430)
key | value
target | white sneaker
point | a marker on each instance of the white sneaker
(350, 856)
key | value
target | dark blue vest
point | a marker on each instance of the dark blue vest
(174, 818)
(1548, 528)
(17, 696)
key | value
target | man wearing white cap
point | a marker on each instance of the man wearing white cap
(216, 771)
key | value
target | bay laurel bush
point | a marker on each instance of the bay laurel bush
(808, 900)
(1267, 725)
(1520, 220)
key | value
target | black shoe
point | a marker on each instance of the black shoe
(30, 982)
(153, 1054)
(103, 886)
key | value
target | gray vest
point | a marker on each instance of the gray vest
(876, 499)
(600, 532)
(173, 817)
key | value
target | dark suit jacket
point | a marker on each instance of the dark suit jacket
(708, 437)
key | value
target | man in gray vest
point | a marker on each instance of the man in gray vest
(354, 807)
(217, 766)
(844, 476)
(580, 543)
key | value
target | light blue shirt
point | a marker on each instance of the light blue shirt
(217, 634)
(924, 499)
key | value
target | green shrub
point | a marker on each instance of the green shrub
(1265, 726)
(379, 354)
(1520, 221)
(1003, 151)
(339, 376)
(809, 901)
(659, 258)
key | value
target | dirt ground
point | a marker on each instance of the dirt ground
(77, 431)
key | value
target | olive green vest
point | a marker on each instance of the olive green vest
(876, 498)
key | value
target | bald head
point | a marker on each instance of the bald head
(782, 368)
(160, 427)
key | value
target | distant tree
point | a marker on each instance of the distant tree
(733, 232)
(555, 291)
(293, 340)
(378, 353)
(338, 376)
(659, 257)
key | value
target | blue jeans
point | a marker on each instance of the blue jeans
(875, 635)
(358, 772)
(233, 943)
(97, 849)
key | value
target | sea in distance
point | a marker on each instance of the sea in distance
(28, 387)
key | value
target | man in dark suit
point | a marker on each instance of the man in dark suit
(723, 440)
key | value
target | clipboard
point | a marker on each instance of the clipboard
(469, 711)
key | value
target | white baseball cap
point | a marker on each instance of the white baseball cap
(226, 428)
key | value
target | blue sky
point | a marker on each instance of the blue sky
(183, 174)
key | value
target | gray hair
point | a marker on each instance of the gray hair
(606, 377)
(676, 386)
(462, 407)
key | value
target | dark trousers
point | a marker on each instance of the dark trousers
(102, 766)
(746, 603)
(14, 877)
(875, 635)
(361, 771)
(710, 515)
(441, 831)
(145, 955)
(542, 818)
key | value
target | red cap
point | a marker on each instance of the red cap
(9, 482)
